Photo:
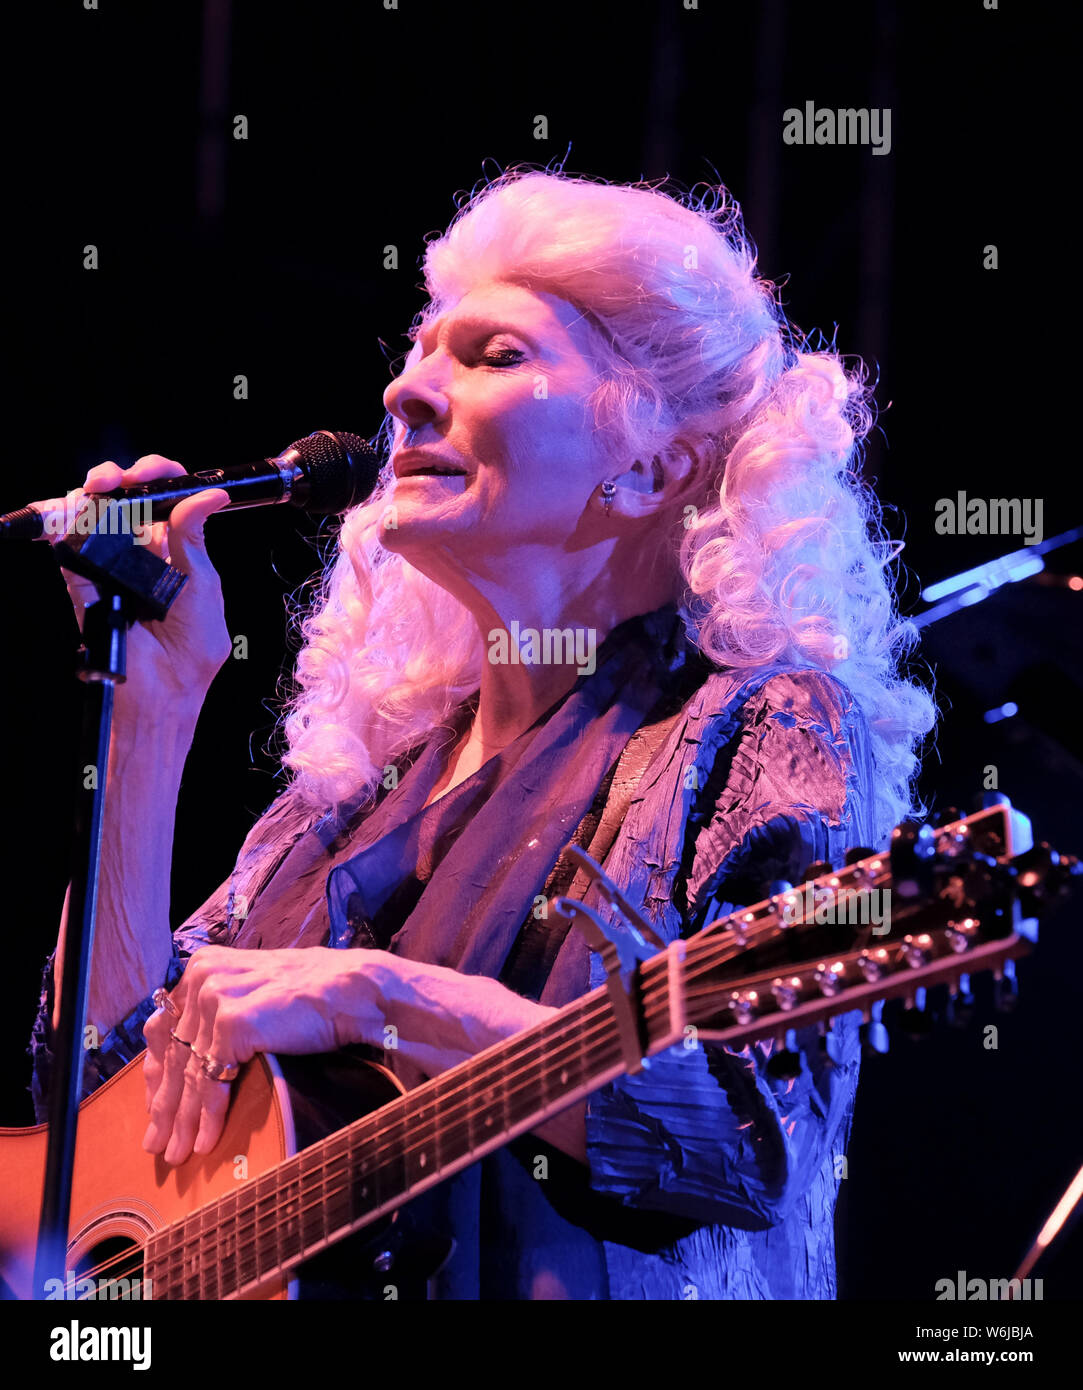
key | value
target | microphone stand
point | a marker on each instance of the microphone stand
(132, 584)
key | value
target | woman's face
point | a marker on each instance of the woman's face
(497, 388)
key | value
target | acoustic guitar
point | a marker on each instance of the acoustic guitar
(320, 1149)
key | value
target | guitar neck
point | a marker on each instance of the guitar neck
(343, 1183)
(375, 1165)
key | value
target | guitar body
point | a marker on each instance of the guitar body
(121, 1194)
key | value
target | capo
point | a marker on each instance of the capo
(622, 948)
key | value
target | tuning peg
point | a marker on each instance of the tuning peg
(912, 849)
(916, 1021)
(1005, 988)
(744, 1004)
(960, 1008)
(874, 1036)
(1042, 874)
(862, 852)
(777, 891)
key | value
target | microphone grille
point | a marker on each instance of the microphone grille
(342, 469)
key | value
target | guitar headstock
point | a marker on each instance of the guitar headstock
(941, 904)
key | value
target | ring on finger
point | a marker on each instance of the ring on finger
(173, 1035)
(218, 1071)
(161, 1000)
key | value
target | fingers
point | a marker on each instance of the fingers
(201, 1114)
(104, 477)
(184, 530)
(166, 1098)
(107, 477)
(187, 1110)
(156, 1033)
(187, 545)
(164, 1068)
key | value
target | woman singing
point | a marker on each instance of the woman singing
(618, 576)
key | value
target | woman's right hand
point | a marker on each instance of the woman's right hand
(170, 663)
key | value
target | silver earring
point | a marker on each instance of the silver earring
(609, 491)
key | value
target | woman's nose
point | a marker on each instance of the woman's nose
(415, 399)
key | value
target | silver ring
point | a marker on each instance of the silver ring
(161, 1000)
(218, 1071)
(173, 1035)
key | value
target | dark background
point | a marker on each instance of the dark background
(264, 257)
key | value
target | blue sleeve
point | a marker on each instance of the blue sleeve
(706, 1133)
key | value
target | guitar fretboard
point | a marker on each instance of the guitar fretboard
(350, 1179)
(343, 1183)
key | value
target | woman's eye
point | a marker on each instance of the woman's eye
(502, 357)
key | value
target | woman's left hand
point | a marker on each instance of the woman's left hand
(232, 1004)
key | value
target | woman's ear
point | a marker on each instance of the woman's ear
(655, 485)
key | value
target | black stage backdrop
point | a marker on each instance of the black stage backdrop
(220, 257)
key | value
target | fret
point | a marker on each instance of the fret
(356, 1163)
(176, 1265)
(229, 1243)
(419, 1149)
(502, 1079)
(320, 1223)
(205, 1243)
(517, 1088)
(189, 1259)
(338, 1206)
(551, 1079)
(364, 1168)
(657, 1016)
(487, 1105)
(310, 1206)
(594, 1039)
(265, 1233)
(566, 1070)
(247, 1236)
(448, 1131)
(157, 1254)
(388, 1174)
(290, 1235)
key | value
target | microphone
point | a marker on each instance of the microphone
(327, 471)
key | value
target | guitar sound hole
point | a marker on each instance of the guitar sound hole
(110, 1270)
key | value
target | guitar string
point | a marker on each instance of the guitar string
(248, 1264)
(339, 1147)
(323, 1201)
(335, 1150)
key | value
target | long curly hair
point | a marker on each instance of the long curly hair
(784, 556)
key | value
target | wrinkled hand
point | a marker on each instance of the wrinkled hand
(233, 1004)
(172, 661)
